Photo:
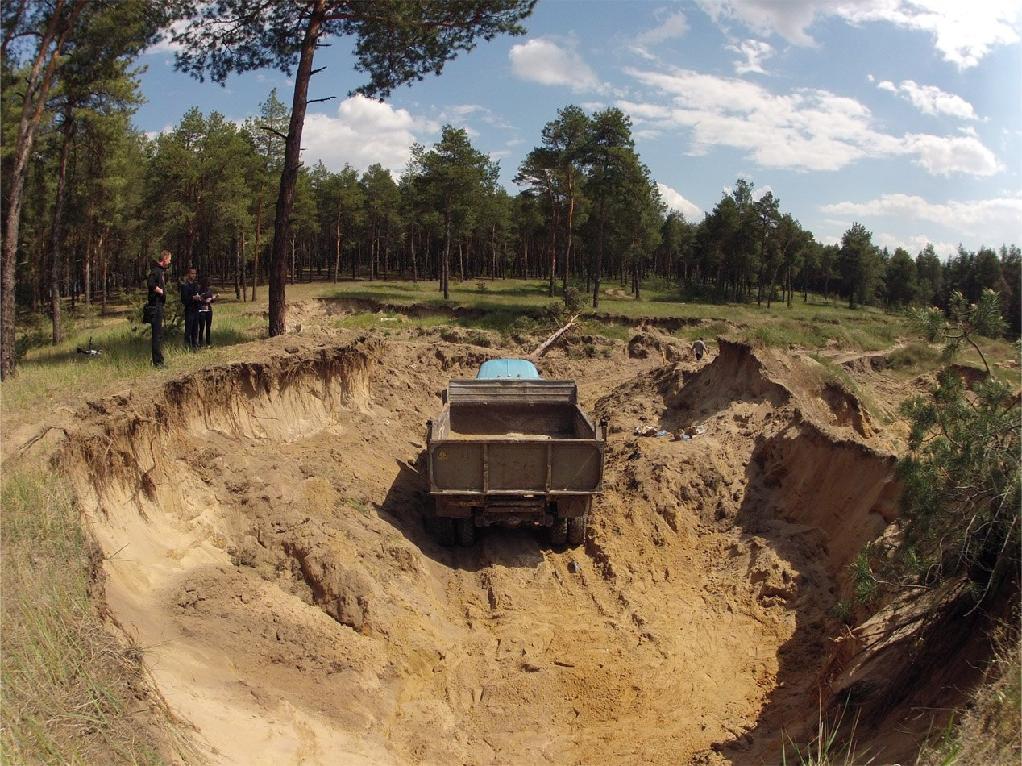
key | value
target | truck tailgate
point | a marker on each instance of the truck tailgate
(514, 466)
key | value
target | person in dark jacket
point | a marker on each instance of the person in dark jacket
(206, 312)
(190, 300)
(157, 284)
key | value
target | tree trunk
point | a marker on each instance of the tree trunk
(255, 253)
(237, 267)
(444, 285)
(37, 87)
(568, 236)
(67, 131)
(599, 258)
(415, 267)
(102, 274)
(337, 247)
(87, 273)
(289, 173)
(244, 284)
(493, 251)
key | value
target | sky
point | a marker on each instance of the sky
(903, 115)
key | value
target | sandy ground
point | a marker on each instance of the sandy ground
(263, 527)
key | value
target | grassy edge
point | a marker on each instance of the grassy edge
(989, 729)
(72, 691)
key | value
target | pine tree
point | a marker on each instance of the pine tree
(395, 42)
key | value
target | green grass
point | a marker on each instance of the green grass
(914, 357)
(48, 373)
(607, 329)
(835, 375)
(870, 331)
(828, 747)
(810, 325)
(69, 689)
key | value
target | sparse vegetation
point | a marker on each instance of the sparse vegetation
(962, 482)
(989, 730)
(71, 692)
(829, 747)
(913, 357)
(962, 325)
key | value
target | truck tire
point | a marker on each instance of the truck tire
(466, 529)
(576, 531)
(443, 528)
(558, 533)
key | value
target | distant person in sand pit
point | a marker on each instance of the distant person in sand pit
(699, 348)
(190, 300)
(207, 297)
(153, 312)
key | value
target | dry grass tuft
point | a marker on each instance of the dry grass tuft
(72, 693)
(989, 731)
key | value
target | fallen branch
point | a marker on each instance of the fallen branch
(542, 347)
(37, 437)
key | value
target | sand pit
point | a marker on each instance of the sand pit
(263, 531)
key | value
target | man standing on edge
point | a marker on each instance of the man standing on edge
(157, 284)
(191, 299)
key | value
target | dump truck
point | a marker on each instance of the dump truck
(510, 448)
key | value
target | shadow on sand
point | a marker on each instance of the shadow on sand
(408, 507)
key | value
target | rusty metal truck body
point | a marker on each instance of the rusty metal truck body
(513, 452)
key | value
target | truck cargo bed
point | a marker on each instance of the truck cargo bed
(505, 437)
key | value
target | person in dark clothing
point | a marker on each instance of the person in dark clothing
(157, 284)
(191, 300)
(206, 312)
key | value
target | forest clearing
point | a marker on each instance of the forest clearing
(736, 482)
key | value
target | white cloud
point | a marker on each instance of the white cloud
(154, 134)
(669, 28)
(165, 44)
(460, 115)
(363, 131)
(788, 19)
(675, 201)
(912, 244)
(962, 32)
(548, 63)
(805, 129)
(929, 99)
(942, 156)
(755, 52)
(990, 221)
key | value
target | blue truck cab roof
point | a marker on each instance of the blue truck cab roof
(498, 369)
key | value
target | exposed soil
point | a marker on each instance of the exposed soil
(265, 545)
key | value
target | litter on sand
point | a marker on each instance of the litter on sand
(683, 435)
(651, 431)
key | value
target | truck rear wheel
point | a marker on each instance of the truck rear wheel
(576, 532)
(466, 529)
(558, 533)
(443, 528)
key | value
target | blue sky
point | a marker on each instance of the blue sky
(905, 115)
